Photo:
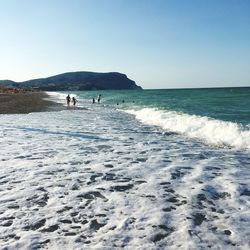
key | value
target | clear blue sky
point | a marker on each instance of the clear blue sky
(157, 43)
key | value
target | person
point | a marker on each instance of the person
(93, 100)
(74, 100)
(99, 98)
(68, 99)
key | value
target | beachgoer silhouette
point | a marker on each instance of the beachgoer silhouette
(99, 98)
(93, 100)
(68, 99)
(74, 101)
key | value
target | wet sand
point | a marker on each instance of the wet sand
(27, 102)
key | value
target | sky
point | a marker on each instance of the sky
(156, 43)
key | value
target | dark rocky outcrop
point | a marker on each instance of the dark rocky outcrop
(81, 80)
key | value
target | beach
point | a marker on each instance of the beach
(26, 102)
(106, 178)
(125, 125)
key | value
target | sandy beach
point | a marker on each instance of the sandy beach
(27, 102)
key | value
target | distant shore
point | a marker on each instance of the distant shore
(27, 102)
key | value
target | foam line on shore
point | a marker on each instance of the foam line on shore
(57, 97)
(59, 133)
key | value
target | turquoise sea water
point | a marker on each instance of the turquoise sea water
(219, 116)
(227, 104)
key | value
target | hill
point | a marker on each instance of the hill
(81, 80)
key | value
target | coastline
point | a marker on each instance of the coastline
(27, 102)
(99, 177)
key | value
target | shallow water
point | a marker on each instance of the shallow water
(215, 116)
(101, 179)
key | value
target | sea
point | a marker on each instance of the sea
(142, 169)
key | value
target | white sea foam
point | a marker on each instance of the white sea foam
(210, 130)
(57, 96)
(100, 179)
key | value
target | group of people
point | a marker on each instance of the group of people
(69, 99)
(74, 101)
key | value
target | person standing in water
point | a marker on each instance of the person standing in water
(99, 98)
(68, 99)
(74, 100)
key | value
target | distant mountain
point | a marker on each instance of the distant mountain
(7, 82)
(81, 80)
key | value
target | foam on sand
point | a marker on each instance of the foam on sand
(100, 179)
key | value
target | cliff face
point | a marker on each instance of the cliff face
(79, 81)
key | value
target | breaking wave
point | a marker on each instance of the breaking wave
(211, 131)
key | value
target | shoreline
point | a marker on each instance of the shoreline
(84, 178)
(27, 102)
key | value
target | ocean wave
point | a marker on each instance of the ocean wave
(210, 130)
